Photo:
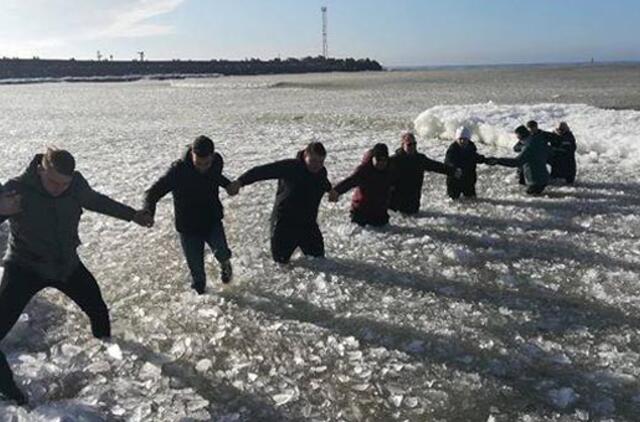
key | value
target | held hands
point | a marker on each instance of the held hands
(333, 195)
(10, 203)
(491, 161)
(233, 188)
(143, 218)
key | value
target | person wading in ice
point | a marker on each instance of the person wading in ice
(9, 205)
(43, 238)
(372, 180)
(408, 167)
(302, 182)
(463, 154)
(194, 182)
(533, 160)
(563, 160)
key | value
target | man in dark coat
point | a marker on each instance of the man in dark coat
(533, 160)
(372, 180)
(563, 161)
(463, 154)
(44, 237)
(194, 182)
(408, 167)
(302, 182)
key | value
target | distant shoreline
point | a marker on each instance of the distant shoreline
(513, 66)
(25, 71)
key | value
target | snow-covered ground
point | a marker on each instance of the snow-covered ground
(506, 308)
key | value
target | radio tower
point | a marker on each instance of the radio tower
(325, 44)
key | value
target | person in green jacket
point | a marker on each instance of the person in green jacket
(43, 237)
(532, 159)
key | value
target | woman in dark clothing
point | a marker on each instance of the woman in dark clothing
(408, 167)
(463, 154)
(563, 162)
(372, 180)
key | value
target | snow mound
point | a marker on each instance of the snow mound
(611, 135)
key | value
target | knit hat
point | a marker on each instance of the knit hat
(202, 146)
(463, 133)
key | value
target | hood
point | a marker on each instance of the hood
(30, 175)
(367, 158)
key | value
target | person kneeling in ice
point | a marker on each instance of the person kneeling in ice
(9, 205)
(408, 167)
(302, 182)
(563, 160)
(194, 181)
(372, 180)
(463, 154)
(44, 237)
(533, 160)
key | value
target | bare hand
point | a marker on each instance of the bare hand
(233, 188)
(143, 218)
(333, 195)
(10, 203)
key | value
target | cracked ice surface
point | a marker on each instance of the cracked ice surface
(505, 308)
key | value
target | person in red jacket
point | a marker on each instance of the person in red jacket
(372, 180)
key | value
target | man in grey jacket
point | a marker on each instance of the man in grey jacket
(43, 238)
(532, 159)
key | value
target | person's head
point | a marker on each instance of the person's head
(563, 127)
(522, 133)
(56, 171)
(380, 156)
(532, 125)
(463, 135)
(409, 144)
(314, 155)
(202, 151)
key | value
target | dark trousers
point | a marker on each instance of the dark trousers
(285, 238)
(19, 285)
(455, 188)
(7, 383)
(365, 220)
(535, 189)
(193, 248)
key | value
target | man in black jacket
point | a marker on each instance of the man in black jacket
(408, 167)
(302, 182)
(194, 181)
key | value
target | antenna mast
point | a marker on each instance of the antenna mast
(325, 43)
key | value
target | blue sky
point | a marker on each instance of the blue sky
(396, 32)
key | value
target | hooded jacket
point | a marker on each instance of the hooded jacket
(533, 159)
(465, 157)
(299, 190)
(44, 236)
(370, 200)
(407, 173)
(195, 195)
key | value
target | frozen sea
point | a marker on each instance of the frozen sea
(505, 308)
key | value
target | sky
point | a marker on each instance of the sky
(394, 32)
